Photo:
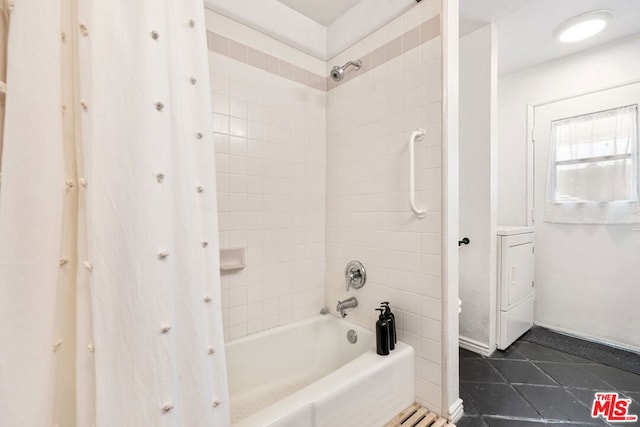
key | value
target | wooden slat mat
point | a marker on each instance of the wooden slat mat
(418, 416)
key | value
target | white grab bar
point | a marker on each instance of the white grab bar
(420, 213)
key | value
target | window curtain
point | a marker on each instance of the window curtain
(593, 169)
(109, 276)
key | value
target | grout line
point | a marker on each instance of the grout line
(545, 373)
(496, 371)
(526, 419)
(540, 385)
(527, 400)
(482, 382)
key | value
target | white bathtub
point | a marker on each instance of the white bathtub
(308, 374)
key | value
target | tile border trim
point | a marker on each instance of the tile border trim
(410, 39)
(407, 41)
(246, 54)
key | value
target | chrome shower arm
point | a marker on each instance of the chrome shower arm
(337, 73)
(356, 64)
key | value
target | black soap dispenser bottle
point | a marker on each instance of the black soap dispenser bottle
(391, 319)
(382, 334)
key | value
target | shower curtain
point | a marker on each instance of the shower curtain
(109, 279)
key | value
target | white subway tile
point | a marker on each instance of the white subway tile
(238, 108)
(221, 123)
(429, 394)
(220, 103)
(428, 370)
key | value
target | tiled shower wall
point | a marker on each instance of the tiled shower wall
(283, 167)
(269, 123)
(369, 119)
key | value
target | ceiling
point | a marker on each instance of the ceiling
(322, 11)
(525, 27)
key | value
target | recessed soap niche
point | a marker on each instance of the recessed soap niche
(232, 259)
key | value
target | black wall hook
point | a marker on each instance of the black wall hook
(464, 241)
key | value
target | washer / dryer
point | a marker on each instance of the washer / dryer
(516, 262)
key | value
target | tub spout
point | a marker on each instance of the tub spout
(348, 303)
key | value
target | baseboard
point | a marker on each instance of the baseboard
(586, 337)
(456, 411)
(475, 346)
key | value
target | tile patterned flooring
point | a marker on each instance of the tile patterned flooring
(530, 385)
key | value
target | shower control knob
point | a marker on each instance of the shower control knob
(355, 275)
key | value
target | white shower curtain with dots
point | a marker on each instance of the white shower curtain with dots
(110, 308)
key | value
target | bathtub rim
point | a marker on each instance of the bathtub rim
(318, 390)
(293, 325)
(333, 381)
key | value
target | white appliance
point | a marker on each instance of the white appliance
(516, 261)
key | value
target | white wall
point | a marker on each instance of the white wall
(369, 120)
(478, 139)
(574, 299)
(595, 69)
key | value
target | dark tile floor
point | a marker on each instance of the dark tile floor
(530, 385)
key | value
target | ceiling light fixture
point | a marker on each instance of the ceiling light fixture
(583, 26)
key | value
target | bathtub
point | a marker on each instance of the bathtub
(308, 374)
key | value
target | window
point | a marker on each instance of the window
(594, 161)
(595, 157)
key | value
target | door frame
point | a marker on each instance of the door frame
(451, 405)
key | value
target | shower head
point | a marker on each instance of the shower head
(337, 72)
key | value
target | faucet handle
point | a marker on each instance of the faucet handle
(355, 275)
